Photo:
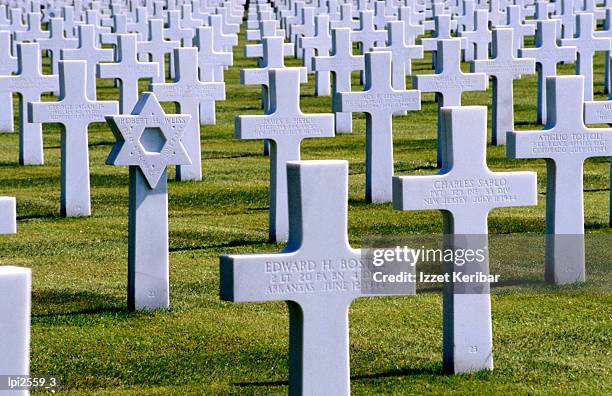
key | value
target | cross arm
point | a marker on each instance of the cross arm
(598, 112)
(531, 144)
(260, 277)
(259, 76)
(418, 192)
(66, 113)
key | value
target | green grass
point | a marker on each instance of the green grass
(544, 342)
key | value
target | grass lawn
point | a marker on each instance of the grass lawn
(545, 342)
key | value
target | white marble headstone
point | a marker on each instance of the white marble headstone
(504, 68)
(29, 83)
(285, 126)
(189, 92)
(547, 54)
(148, 141)
(15, 307)
(379, 100)
(449, 82)
(75, 111)
(129, 70)
(341, 63)
(565, 143)
(318, 275)
(466, 190)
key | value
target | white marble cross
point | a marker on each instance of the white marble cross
(210, 64)
(34, 30)
(520, 30)
(157, 47)
(29, 83)
(442, 32)
(93, 18)
(129, 70)
(70, 21)
(306, 27)
(478, 40)
(547, 54)
(379, 100)
(466, 190)
(565, 143)
(402, 54)
(266, 29)
(56, 42)
(606, 32)
(412, 29)
(140, 25)
(222, 42)
(272, 51)
(341, 63)
(504, 68)
(318, 45)
(449, 82)
(587, 44)
(285, 126)
(176, 32)
(119, 27)
(346, 18)
(567, 17)
(75, 111)
(319, 274)
(15, 310)
(8, 66)
(368, 36)
(148, 141)
(189, 92)
(89, 51)
(465, 21)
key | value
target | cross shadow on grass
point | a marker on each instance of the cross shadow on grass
(47, 303)
(433, 369)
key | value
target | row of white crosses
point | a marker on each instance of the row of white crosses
(76, 64)
(449, 82)
(29, 82)
(467, 337)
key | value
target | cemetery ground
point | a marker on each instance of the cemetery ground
(545, 342)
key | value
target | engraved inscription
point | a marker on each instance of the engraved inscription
(391, 101)
(196, 91)
(569, 143)
(439, 83)
(313, 276)
(288, 126)
(62, 112)
(469, 191)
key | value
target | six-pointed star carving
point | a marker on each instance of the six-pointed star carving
(129, 129)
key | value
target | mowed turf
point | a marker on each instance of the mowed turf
(545, 342)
